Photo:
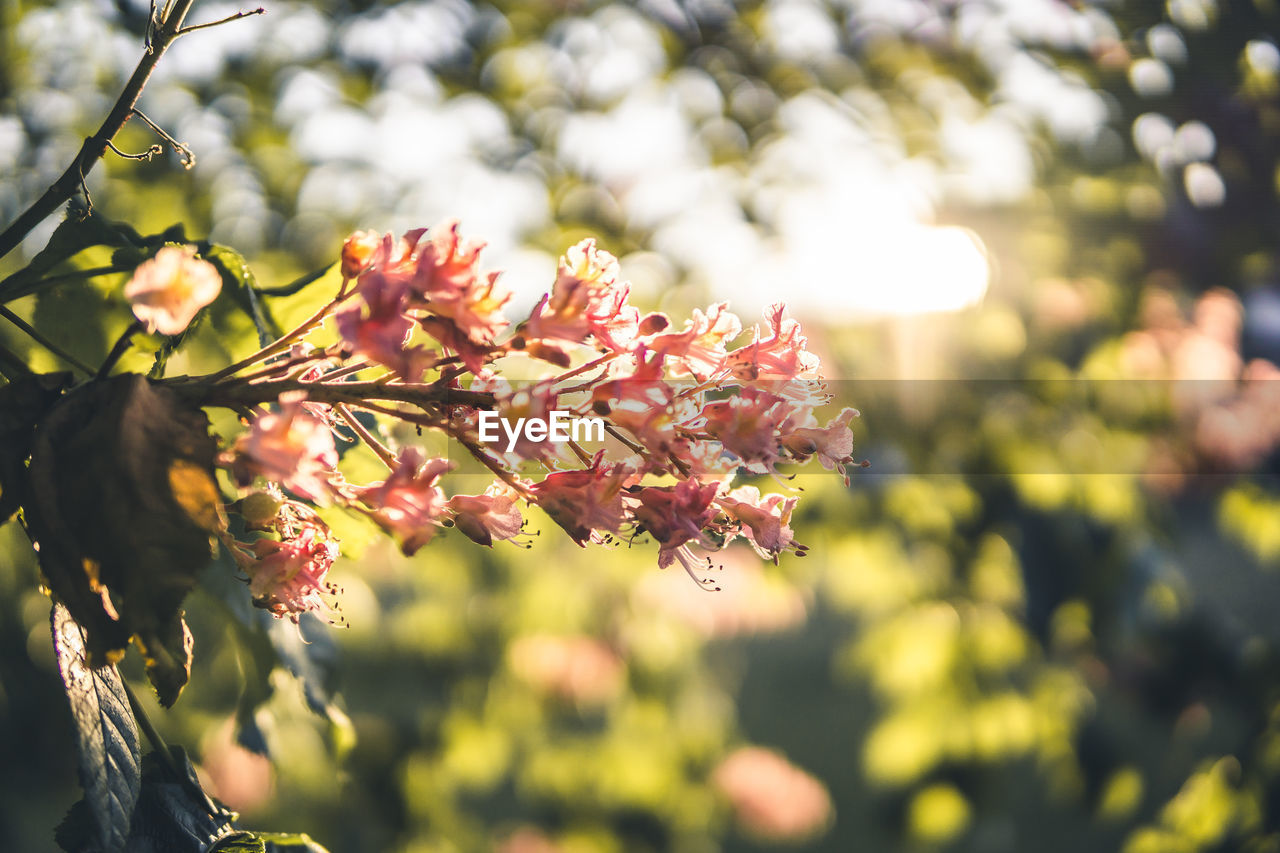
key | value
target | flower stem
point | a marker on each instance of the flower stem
(279, 346)
(118, 351)
(231, 394)
(388, 458)
(237, 16)
(583, 368)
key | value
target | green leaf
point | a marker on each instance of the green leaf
(172, 343)
(297, 284)
(239, 281)
(239, 842)
(71, 237)
(106, 734)
(306, 650)
(266, 842)
(284, 842)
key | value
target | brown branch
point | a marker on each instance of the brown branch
(231, 395)
(381, 450)
(96, 146)
(237, 16)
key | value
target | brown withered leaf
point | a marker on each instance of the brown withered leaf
(121, 499)
(22, 403)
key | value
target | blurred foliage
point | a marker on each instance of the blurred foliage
(1043, 619)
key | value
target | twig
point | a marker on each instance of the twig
(237, 16)
(121, 347)
(145, 155)
(388, 458)
(12, 366)
(583, 368)
(230, 395)
(583, 456)
(346, 371)
(631, 445)
(279, 346)
(73, 275)
(492, 464)
(45, 342)
(160, 749)
(95, 146)
(185, 154)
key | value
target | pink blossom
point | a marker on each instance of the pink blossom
(397, 257)
(585, 501)
(771, 797)
(675, 515)
(378, 328)
(449, 283)
(832, 444)
(766, 521)
(290, 447)
(780, 357)
(446, 265)
(640, 403)
(536, 402)
(288, 577)
(587, 300)
(484, 518)
(747, 424)
(706, 459)
(410, 505)
(700, 348)
(168, 291)
(577, 668)
(455, 341)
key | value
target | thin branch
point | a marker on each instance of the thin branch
(160, 749)
(45, 342)
(96, 146)
(237, 16)
(230, 395)
(388, 458)
(347, 371)
(583, 456)
(121, 347)
(185, 154)
(630, 445)
(492, 464)
(145, 155)
(583, 368)
(76, 275)
(279, 346)
(295, 367)
(12, 367)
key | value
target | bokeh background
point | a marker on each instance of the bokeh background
(1033, 241)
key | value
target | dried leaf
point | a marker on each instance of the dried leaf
(120, 498)
(22, 404)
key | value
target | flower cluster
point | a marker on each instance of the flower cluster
(287, 570)
(686, 413)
